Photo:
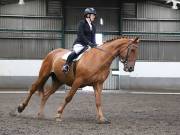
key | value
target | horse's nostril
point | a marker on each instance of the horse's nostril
(131, 69)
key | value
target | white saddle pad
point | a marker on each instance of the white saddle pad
(64, 57)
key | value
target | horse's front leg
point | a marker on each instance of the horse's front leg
(68, 98)
(98, 92)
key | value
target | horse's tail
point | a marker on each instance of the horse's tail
(46, 87)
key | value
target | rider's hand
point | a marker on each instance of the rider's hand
(92, 45)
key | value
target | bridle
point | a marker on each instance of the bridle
(125, 59)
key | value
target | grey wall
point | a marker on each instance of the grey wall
(158, 27)
(31, 30)
(149, 83)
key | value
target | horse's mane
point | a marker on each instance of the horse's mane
(115, 38)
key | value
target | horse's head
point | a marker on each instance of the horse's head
(128, 54)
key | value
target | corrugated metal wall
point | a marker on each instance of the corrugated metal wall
(32, 29)
(156, 11)
(33, 7)
(158, 27)
(109, 15)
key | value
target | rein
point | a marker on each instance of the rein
(105, 51)
(125, 60)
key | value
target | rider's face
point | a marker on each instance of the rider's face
(92, 17)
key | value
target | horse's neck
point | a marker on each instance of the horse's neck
(113, 46)
(112, 49)
(108, 54)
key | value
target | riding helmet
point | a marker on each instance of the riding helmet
(89, 11)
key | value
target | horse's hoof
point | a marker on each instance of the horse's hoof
(20, 108)
(104, 121)
(58, 117)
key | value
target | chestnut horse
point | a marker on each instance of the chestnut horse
(91, 70)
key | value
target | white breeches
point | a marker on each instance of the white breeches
(78, 48)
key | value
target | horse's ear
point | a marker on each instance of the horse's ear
(136, 40)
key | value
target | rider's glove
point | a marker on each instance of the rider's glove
(92, 45)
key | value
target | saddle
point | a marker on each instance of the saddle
(72, 67)
(64, 57)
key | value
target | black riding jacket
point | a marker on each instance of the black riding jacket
(85, 36)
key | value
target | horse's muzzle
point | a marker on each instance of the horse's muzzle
(128, 69)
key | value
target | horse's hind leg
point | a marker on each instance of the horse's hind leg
(55, 85)
(35, 86)
(39, 83)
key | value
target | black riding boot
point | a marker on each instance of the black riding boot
(69, 60)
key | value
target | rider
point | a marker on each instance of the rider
(85, 37)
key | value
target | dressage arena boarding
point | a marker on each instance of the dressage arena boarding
(142, 102)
